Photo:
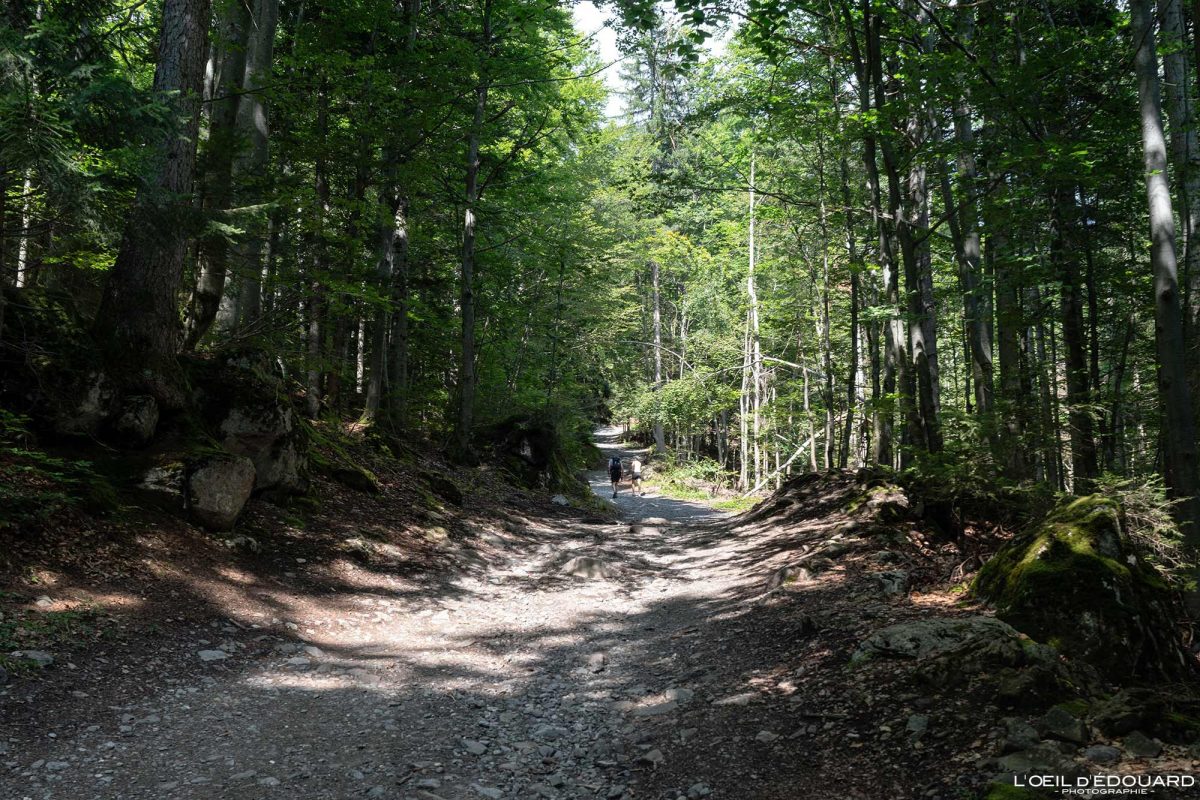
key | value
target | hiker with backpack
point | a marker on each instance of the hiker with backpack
(614, 472)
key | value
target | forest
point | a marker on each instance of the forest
(247, 246)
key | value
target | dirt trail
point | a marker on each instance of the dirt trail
(524, 682)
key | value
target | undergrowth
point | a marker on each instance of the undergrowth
(36, 486)
(45, 630)
(1148, 521)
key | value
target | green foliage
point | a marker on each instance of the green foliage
(35, 486)
(1146, 513)
(45, 630)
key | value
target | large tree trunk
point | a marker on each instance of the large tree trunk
(1185, 153)
(1179, 432)
(138, 319)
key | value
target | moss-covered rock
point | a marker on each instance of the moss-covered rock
(1075, 582)
(1173, 716)
(357, 478)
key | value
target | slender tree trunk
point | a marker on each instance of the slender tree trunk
(253, 125)
(870, 81)
(1084, 468)
(1009, 324)
(974, 305)
(316, 297)
(234, 28)
(744, 411)
(3, 239)
(398, 374)
(377, 352)
(1111, 447)
(466, 368)
(826, 347)
(138, 319)
(755, 340)
(26, 235)
(660, 442)
(853, 369)
(1179, 431)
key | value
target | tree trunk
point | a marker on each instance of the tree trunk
(251, 164)
(755, 340)
(660, 443)
(398, 373)
(974, 305)
(3, 240)
(1084, 467)
(466, 367)
(223, 142)
(870, 82)
(1014, 403)
(1179, 432)
(138, 319)
(377, 352)
(853, 369)
(315, 305)
(826, 347)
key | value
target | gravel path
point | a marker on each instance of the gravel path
(554, 675)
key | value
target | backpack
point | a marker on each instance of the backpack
(614, 463)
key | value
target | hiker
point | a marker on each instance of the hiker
(614, 472)
(635, 476)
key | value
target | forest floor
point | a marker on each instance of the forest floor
(573, 657)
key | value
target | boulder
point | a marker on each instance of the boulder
(1102, 754)
(540, 455)
(1059, 723)
(1075, 582)
(356, 478)
(1169, 715)
(891, 583)
(443, 488)
(1139, 745)
(135, 421)
(965, 650)
(217, 489)
(249, 413)
(1018, 735)
(926, 638)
